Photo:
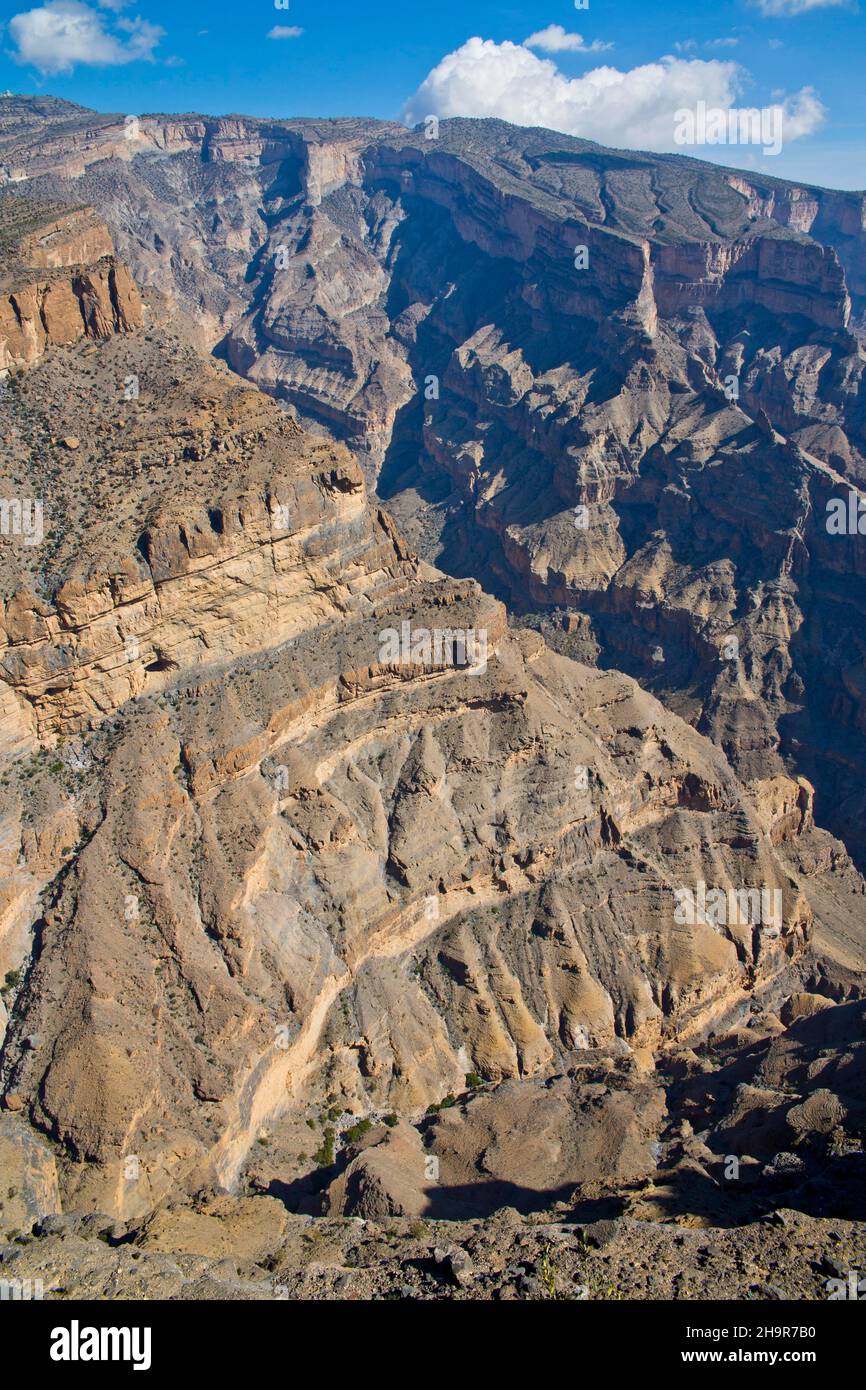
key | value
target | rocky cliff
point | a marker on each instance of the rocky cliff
(59, 282)
(262, 852)
(304, 836)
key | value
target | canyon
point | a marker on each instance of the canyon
(301, 921)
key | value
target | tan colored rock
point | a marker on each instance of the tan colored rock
(525, 1144)
(786, 805)
(304, 867)
(819, 1113)
(245, 1229)
(385, 1179)
(83, 292)
(28, 1187)
(803, 1006)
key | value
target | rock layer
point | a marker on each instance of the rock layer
(303, 832)
(292, 858)
(85, 293)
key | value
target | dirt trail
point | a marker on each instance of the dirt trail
(277, 1075)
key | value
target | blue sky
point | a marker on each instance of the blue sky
(637, 63)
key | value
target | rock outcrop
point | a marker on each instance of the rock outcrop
(311, 818)
(623, 386)
(83, 291)
(324, 879)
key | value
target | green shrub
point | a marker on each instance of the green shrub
(354, 1132)
(441, 1105)
(324, 1155)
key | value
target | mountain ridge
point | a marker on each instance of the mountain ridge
(271, 880)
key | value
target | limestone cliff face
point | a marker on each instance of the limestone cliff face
(276, 844)
(836, 217)
(57, 139)
(253, 572)
(65, 149)
(340, 875)
(350, 204)
(645, 439)
(423, 221)
(275, 857)
(90, 303)
(783, 276)
(74, 239)
(84, 292)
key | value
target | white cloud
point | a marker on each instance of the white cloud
(554, 39)
(634, 109)
(61, 33)
(777, 8)
(803, 114)
(285, 31)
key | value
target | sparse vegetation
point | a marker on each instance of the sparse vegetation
(356, 1131)
(444, 1104)
(324, 1155)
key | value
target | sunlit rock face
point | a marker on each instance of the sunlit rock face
(297, 818)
